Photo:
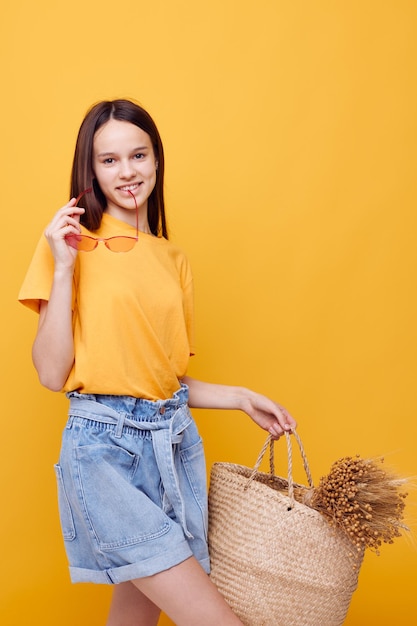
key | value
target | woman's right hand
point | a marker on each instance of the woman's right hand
(65, 222)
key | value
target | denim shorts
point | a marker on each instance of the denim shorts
(131, 487)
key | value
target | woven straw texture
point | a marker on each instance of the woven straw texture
(277, 562)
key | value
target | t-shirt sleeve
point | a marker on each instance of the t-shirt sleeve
(37, 283)
(188, 303)
(189, 315)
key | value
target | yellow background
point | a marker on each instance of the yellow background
(290, 137)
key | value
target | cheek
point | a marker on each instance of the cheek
(102, 177)
(151, 176)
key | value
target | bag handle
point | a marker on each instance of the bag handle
(270, 442)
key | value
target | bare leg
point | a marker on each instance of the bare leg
(187, 595)
(129, 607)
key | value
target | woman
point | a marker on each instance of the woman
(115, 332)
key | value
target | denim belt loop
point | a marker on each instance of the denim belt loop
(119, 426)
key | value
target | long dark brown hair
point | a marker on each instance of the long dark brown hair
(83, 176)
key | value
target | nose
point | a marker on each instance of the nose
(126, 169)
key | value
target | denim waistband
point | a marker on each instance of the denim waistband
(136, 408)
(166, 419)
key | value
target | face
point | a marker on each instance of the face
(123, 161)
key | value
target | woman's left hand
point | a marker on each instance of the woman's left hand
(268, 414)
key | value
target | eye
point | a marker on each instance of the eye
(139, 156)
(108, 161)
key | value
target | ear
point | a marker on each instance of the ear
(156, 164)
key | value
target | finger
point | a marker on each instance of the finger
(64, 213)
(59, 227)
(275, 431)
(65, 217)
(288, 422)
(275, 437)
(72, 221)
(282, 419)
(74, 211)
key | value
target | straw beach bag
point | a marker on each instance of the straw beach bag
(277, 562)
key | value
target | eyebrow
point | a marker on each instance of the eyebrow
(139, 149)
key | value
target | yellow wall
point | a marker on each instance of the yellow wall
(290, 135)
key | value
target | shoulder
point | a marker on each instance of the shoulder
(176, 256)
(170, 248)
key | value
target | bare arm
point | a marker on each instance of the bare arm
(53, 348)
(268, 414)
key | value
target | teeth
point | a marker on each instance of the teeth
(129, 187)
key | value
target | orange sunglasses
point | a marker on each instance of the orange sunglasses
(119, 243)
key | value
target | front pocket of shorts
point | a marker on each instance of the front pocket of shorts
(118, 513)
(67, 522)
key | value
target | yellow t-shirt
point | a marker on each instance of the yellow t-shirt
(132, 314)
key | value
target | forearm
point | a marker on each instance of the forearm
(53, 348)
(268, 414)
(204, 395)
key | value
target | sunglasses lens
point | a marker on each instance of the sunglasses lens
(81, 242)
(120, 244)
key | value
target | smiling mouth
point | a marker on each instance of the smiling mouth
(132, 187)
